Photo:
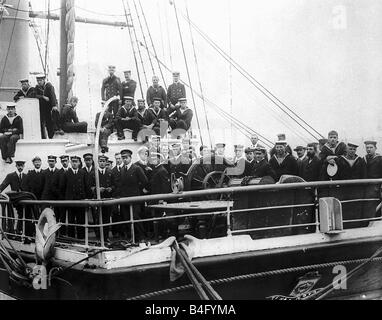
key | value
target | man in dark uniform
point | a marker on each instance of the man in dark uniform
(175, 91)
(26, 91)
(142, 114)
(300, 151)
(89, 173)
(35, 179)
(106, 191)
(111, 86)
(351, 166)
(321, 144)
(127, 117)
(155, 116)
(16, 181)
(116, 182)
(181, 117)
(310, 166)
(107, 125)
(75, 189)
(69, 118)
(281, 137)
(260, 167)
(282, 162)
(50, 176)
(58, 186)
(143, 155)
(128, 86)
(132, 181)
(48, 104)
(373, 160)
(160, 178)
(11, 127)
(156, 91)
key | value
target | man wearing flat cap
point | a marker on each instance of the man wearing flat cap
(48, 103)
(351, 166)
(26, 91)
(282, 162)
(310, 166)
(35, 179)
(111, 86)
(373, 160)
(176, 90)
(127, 118)
(128, 86)
(11, 127)
(156, 91)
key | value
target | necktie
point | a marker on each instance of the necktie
(20, 177)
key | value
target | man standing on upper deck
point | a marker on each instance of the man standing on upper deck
(48, 104)
(175, 91)
(373, 161)
(282, 162)
(26, 91)
(156, 91)
(128, 87)
(111, 86)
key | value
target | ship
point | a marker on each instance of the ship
(212, 238)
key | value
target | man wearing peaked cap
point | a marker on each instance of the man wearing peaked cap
(126, 152)
(351, 166)
(259, 166)
(51, 185)
(26, 91)
(16, 180)
(175, 91)
(128, 86)
(111, 86)
(48, 104)
(373, 160)
(11, 127)
(35, 179)
(127, 118)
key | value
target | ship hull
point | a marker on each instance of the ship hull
(269, 273)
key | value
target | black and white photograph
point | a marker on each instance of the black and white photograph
(190, 151)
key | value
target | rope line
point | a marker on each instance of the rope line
(276, 101)
(132, 47)
(138, 47)
(254, 276)
(200, 83)
(188, 71)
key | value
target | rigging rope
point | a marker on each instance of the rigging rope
(188, 72)
(276, 101)
(143, 35)
(132, 47)
(47, 41)
(136, 40)
(200, 83)
(240, 124)
(152, 43)
(9, 45)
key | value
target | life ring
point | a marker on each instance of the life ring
(45, 241)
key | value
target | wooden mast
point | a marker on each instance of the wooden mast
(63, 55)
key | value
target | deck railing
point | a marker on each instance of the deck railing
(229, 213)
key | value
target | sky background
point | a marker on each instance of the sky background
(321, 58)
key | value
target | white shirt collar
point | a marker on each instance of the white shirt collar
(37, 170)
(128, 166)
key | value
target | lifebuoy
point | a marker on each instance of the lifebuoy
(45, 241)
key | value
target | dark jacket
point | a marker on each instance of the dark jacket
(30, 93)
(16, 126)
(74, 185)
(153, 118)
(89, 176)
(132, 181)
(175, 91)
(107, 120)
(128, 89)
(13, 180)
(374, 166)
(123, 113)
(58, 184)
(347, 172)
(186, 116)
(340, 150)
(48, 91)
(35, 183)
(49, 192)
(160, 180)
(262, 169)
(288, 166)
(116, 181)
(310, 169)
(105, 181)
(111, 86)
(158, 92)
(68, 114)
